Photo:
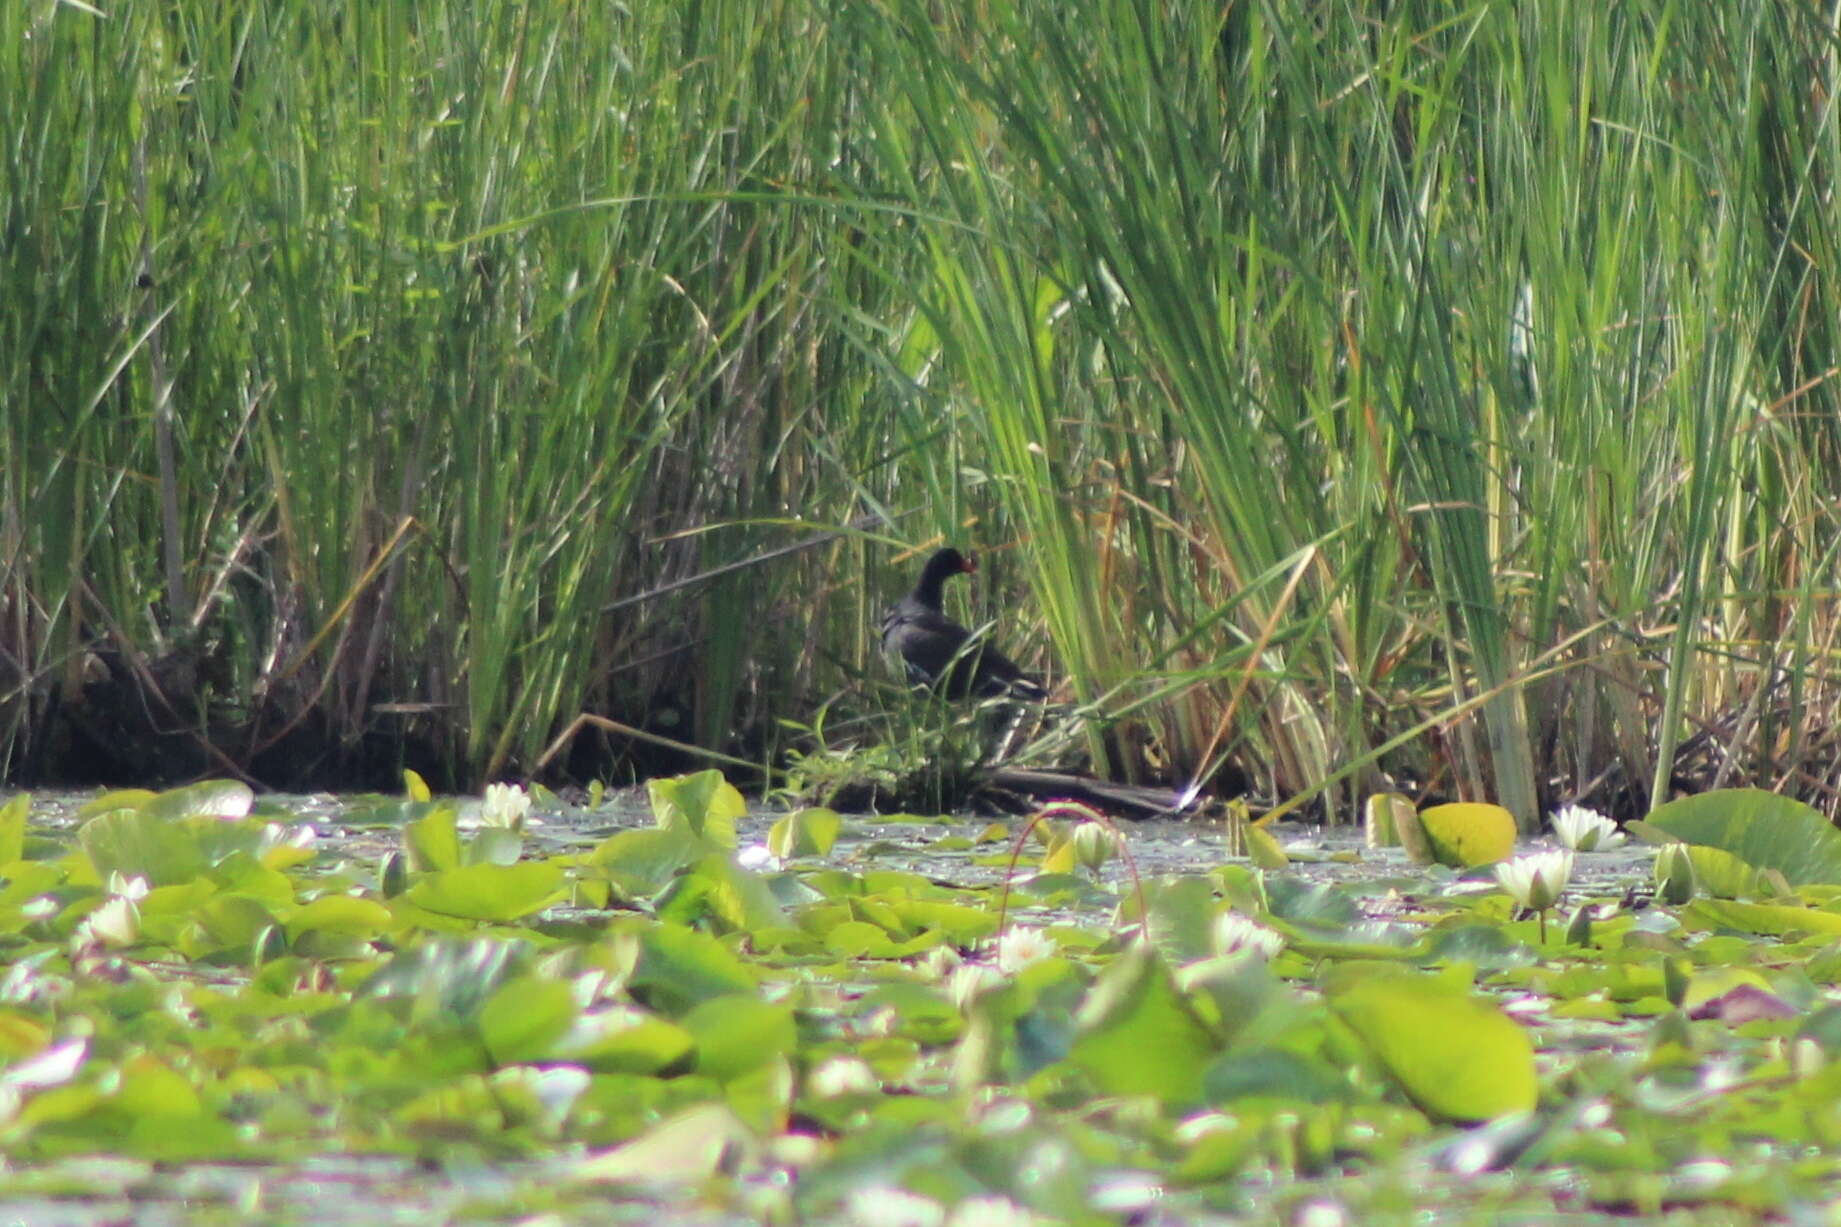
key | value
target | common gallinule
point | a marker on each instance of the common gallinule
(940, 653)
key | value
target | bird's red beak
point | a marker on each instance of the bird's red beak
(971, 564)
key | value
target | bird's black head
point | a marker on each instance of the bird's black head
(949, 562)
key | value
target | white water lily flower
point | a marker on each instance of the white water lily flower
(940, 962)
(1536, 880)
(1022, 946)
(968, 981)
(115, 924)
(1585, 830)
(134, 888)
(505, 805)
(1320, 1212)
(836, 1076)
(1234, 933)
(884, 1206)
(756, 857)
(990, 1212)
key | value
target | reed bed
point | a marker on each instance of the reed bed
(1439, 401)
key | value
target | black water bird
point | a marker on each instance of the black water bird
(938, 652)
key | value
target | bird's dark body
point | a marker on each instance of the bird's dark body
(940, 653)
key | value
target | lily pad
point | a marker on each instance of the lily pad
(1137, 1034)
(1762, 829)
(1466, 834)
(1454, 1053)
(705, 803)
(807, 832)
(13, 828)
(489, 892)
(229, 800)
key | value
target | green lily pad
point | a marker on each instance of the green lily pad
(433, 840)
(137, 844)
(1466, 834)
(807, 832)
(228, 800)
(1453, 1053)
(720, 889)
(13, 828)
(704, 803)
(489, 892)
(1769, 918)
(346, 915)
(1763, 829)
(526, 1017)
(737, 1034)
(691, 1147)
(1138, 1036)
(674, 967)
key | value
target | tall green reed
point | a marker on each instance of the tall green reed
(1331, 375)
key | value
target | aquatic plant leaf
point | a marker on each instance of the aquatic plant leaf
(704, 802)
(1384, 816)
(807, 832)
(494, 846)
(415, 787)
(13, 828)
(230, 921)
(1466, 834)
(432, 841)
(1775, 919)
(1265, 851)
(228, 800)
(1319, 904)
(489, 892)
(1720, 873)
(118, 798)
(719, 888)
(136, 844)
(1274, 1073)
(1452, 1052)
(347, 915)
(739, 1033)
(640, 863)
(1760, 828)
(693, 1146)
(676, 967)
(957, 923)
(446, 979)
(1763, 829)
(1182, 912)
(1136, 1035)
(525, 1018)
(627, 1043)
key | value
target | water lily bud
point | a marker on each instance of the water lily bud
(268, 944)
(1674, 874)
(1579, 929)
(393, 876)
(1094, 845)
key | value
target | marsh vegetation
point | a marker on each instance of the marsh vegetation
(1444, 397)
